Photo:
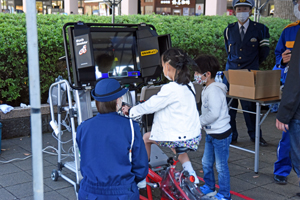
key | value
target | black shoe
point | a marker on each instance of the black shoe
(262, 142)
(233, 142)
(280, 179)
(298, 194)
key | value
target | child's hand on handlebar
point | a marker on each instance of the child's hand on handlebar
(125, 109)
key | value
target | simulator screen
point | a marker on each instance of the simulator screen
(115, 54)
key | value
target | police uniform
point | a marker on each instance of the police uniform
(104, 142)
(283, 165)
(248, 53)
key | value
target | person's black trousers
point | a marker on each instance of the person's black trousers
(249, 118)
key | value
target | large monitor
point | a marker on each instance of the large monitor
(115, 54)
(128, 53)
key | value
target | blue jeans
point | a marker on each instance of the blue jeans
(294, 129)
(217, 151)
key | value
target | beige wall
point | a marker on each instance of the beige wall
(215, 7)
(129, 7)
(71, 6)
(24, 5)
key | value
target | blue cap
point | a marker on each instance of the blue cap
(236, 3)
(108, 90)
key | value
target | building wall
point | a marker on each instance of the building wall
(215, 7)
(166, 7)
(129, 7)
(71, 6)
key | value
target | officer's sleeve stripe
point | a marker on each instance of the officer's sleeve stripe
(227, 33)
(264, 40)
(264, 44)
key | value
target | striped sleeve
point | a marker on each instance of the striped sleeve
(264, 42)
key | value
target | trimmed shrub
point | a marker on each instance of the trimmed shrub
(195, 34)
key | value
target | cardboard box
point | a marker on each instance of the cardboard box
(255, 84)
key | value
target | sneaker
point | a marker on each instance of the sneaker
(282, 180)
(194, 175)
(207, 191)
(142, 184)
(215, 197)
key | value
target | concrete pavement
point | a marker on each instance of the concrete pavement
(16, 176)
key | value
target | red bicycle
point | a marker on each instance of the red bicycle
(174, 185)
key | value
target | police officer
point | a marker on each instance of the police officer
(283, 165)
(247, 46)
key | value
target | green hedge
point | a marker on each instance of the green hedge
(196, 35)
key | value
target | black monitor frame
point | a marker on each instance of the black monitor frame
(137, 30)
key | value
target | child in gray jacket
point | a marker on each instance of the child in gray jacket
(215, 121)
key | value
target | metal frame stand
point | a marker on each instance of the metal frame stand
(258, 123)
(73, 166)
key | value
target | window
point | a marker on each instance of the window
(142, 10)
(148, 10)
(163, 11)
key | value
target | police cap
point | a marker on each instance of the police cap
(236, 3)
(295, 2)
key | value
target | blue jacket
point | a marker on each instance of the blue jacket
(286, 41)
(252, 51)
(104, 142)
(290, 101)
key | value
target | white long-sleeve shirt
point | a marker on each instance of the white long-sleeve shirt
(176, 116)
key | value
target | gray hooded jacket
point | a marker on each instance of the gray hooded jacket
(214, 111)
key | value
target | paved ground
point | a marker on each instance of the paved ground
(16, 176)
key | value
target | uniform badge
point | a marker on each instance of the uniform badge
(253, 40)
(242, 1)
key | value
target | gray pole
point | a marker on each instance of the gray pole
(256, 11)
(113, 11)
(259, 9)
(35, 100)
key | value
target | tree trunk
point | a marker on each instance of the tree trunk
(284, 9)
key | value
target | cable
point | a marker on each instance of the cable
(5, 162)
(70, 152)
(44, 151)
(55, 137)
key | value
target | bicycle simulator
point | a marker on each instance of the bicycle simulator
(129, 53)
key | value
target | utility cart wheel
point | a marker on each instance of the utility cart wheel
(54, 175)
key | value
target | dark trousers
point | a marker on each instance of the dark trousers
(249, 118)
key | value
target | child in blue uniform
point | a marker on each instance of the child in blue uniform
(176, 118)
(215, 121)
(105, 142)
